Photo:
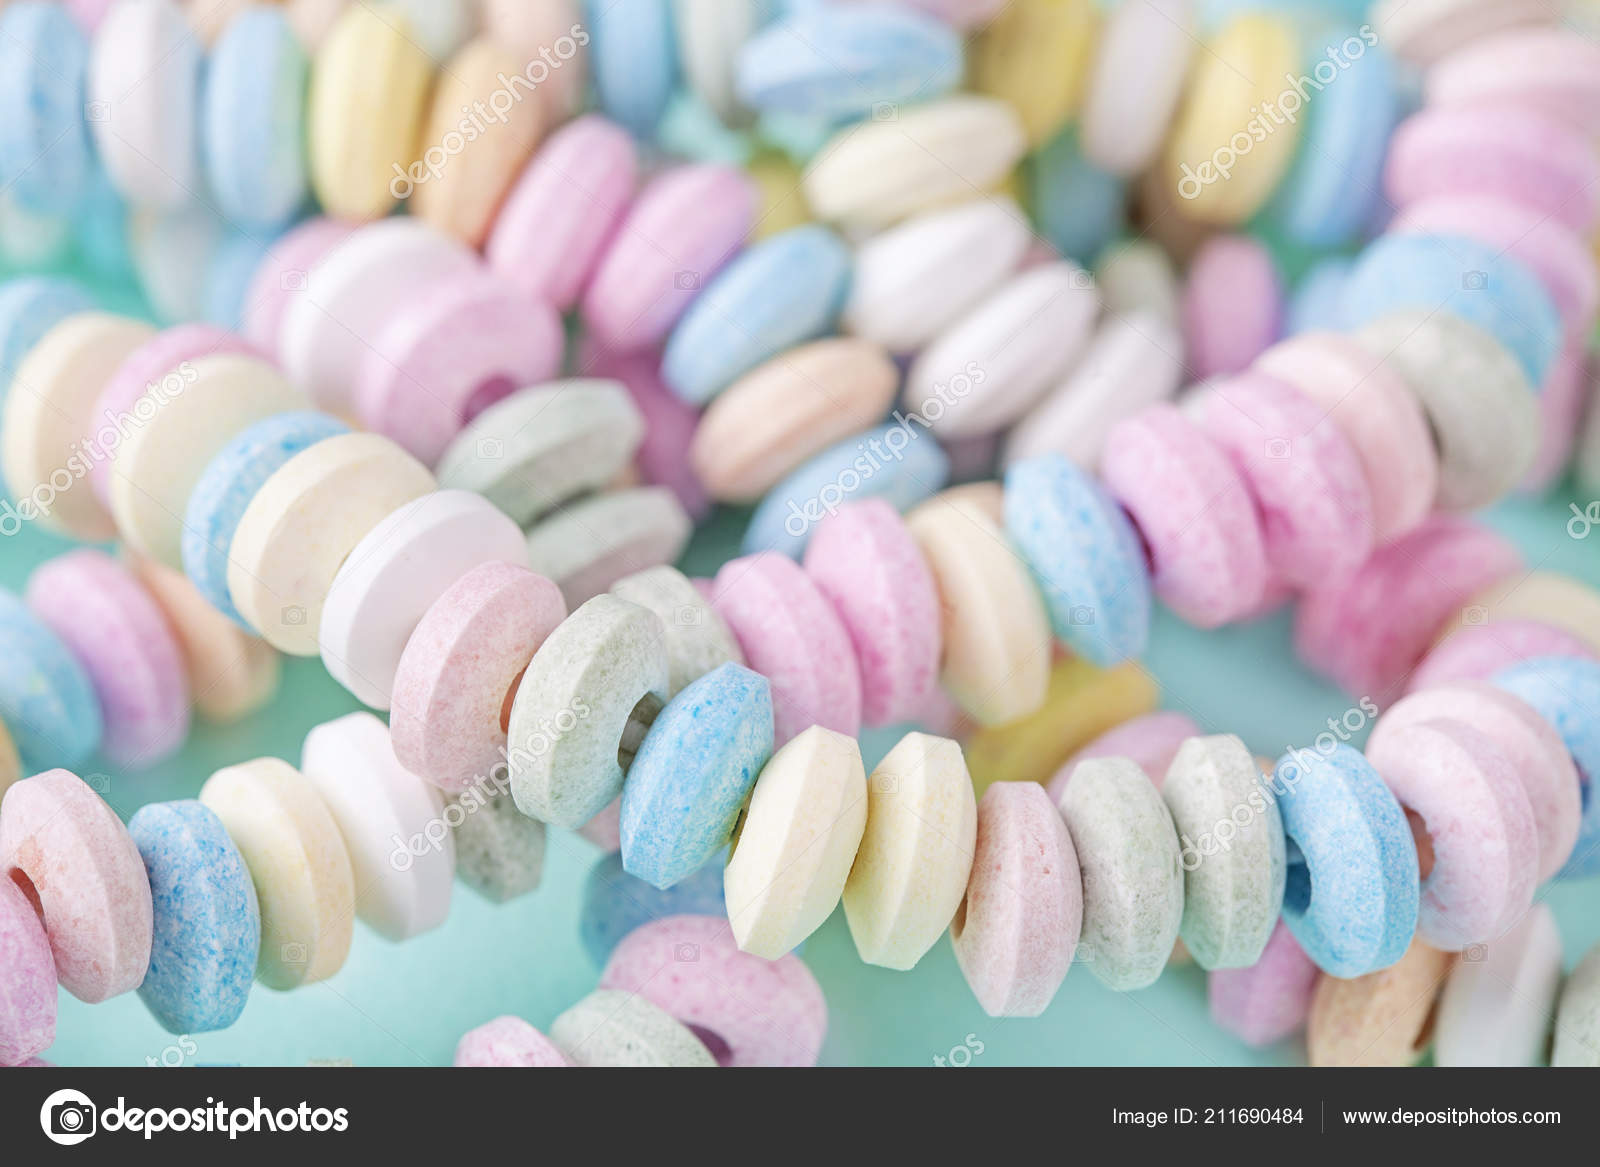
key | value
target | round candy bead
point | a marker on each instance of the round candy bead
(450, 353)
(161, 462)
(794, 849)
(876, 173)
(573, 705)
(1196, 515)
(1270, 999)
(283, 274)
(1577, 1041)
(748, 1011)
(394, 575)
(1125, 120)
(1496, 1007)
(1373, 406)
(616, 903)
(1484, 420)
(710, 35)
(693, 773)
(914, 280)
(696, 639)
(499, 850)
(1556, 601)
(1351, 897)
(610, 1027)
(48, 413)
(118, 633)
(1084, 556)
(1015, 931)
(911, 871)
(303, 524)
(1035, 56)
(253, 119)
(207, 930)
(378, 804)
(1380, 1018)
(634, 61)
(46, 697)
(596, 541)
(669, 423)
(1132, 880)
(684, 226)
(44, 146)
(143, 83)
(542, 446)
(1528, 742)
(1232, 305)
(299, 865)
(778, 416)
(1551, 69)
(1151, 740)
(895, 462)
(557, 220)
(994, 363)
(1304, 474)
(1475, 652)
(28, 994)
(453, 686)
(79, 868)
(507, 1041)
(1231, 850)
(369, 83)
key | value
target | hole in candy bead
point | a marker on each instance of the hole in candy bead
(1297, 888)
(639, 723)
(1424, 842)
(713, 1042)
(489, 391)
(959, 924)
(25, 886)
(509, 700)
(1424, 1036)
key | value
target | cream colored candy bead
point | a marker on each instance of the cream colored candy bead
(946, 151)
(157, 467)
(1497, 1004)
(298, 863)
(775, 417)
(613, 1028)
(369, 81)
(463, 193)
(795, 845)
(48, 409)
(996, 636)
(1380, 1019)
(1578, 1015)
(302, 525)
(1543, 596)
(1034, 55)
(1132, 877)
(911, 871)
(596, 541)
(696, 637)
(1141, 63)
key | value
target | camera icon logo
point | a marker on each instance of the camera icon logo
(294, 616)
(884, 111)
(1475, 281)
(490, 449)
(1474, 615)
(1081, 615)
(688, 615)
(293, 953)
(292, 281)
(68, 1117)
(686, 281)
(1278, 449)
(97, 111)
(686, 953)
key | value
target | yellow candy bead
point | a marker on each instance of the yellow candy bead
(1035, 57)
(781, 196)
(1082, 702)
(1232, 141)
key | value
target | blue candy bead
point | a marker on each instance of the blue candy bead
(29, 308)
(102, 229)
(1565, 691)
(1454, 274)
(1336, 181)
(1351, 899)
(615, 903)
(228, 277)
(207, 920)
(694, 771)
(253, 118)
(634, 60)
(1085, 556)
(780, 293)
(226, 487)
(899, 462)
(691, 129)
(844, 61)
(1314, 305)
(46, 699)
(1078, 206)
(45, 155)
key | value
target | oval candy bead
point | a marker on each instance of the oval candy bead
(507, 1041)
(499, 850)
(616, 903)
(592, 543)
(614, 1028)
(144, 81)
(28, 994)
(696, 638)
(46, 697)
(1475, 652)
(1124, 119)
(1232, 305)
(633, 60)
(1269, 1000)
(45, 151)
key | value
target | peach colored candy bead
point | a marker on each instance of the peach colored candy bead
(1475, 652)
(1151, 740)
(864, 560)
(1195, 512)
(1480, 822)
(796, 843)
(1269, 1000)
(72, 857)
(453, 688)
(1556, 600)
(1015, 932)
(915, 859)
(995, 632)
(1380, 1019)
(748, 1011)
(790, 633)
(507, 1041)
(28, 992)
(298, 863)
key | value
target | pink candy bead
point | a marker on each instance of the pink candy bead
(1478, 651)
(1232, 305)
(605, 829)
(507, 1041)
(1151, 740)
(1269, 1000)
(284, 273)
(28, 988)
(748, 1011)
(864, 560)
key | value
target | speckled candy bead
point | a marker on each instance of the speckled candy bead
(1577, 1041)
(748, 1011)
(28, 993)
(613, 1028)
(615, 903)
(499, 850)
(1496, 1007)
(1475, 652)
(1270, 999)
(696, 639)
(507, 1041)
(1379, 1019)
(207, 923)
(69, 853)
(46, 698)
(590, 544)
